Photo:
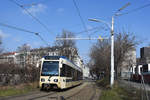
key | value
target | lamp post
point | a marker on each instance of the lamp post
(112, 53)
(111, 27)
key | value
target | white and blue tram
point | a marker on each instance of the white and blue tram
(58, 72)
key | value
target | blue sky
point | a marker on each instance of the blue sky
(62, 14)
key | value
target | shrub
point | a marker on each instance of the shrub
(11, 74)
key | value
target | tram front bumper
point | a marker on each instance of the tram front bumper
(49, 86)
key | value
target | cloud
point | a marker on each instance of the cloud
(36, 9)
(3, 35)
(16, 39)
(60, 10)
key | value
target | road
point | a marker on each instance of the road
(85, 91)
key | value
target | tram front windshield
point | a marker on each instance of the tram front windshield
(50, 68)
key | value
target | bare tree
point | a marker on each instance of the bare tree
(100, 54)
(67, 47)
(124, 43)
(100, 58)
(24, 48)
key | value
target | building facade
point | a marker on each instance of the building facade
(33, 57)
(10, 57)
(128, 64)
(144, 55)
(27, 57)
(79, 62)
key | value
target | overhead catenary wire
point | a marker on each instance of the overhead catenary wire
(42, 39)
(92, 29)
(28, 5)
(16, 28)
(35, 18)
(24, 30)
(78, 11)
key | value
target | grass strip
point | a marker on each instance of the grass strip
(17, 90)
(117, 92)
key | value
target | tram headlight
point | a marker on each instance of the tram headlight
(55, 80)
(42, 80)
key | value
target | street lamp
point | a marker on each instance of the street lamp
(111, 27)
(101, 21)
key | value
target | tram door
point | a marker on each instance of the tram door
(62, 76)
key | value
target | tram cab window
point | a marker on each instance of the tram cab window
(50, 68)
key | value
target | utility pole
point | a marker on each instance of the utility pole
(111, 27)
(112, 53)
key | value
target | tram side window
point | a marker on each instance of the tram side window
(141, 70)
(136, 70)
(79, 75)
(75, 76)
(145, 68)
(63, 71)
(66, 71)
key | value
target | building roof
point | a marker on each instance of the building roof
(8, 53)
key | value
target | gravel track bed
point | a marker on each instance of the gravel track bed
(85, 91)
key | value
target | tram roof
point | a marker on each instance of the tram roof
(57, 58)
(54, 57)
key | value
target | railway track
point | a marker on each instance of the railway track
(85, 91)
(43, 96)
(94, 92)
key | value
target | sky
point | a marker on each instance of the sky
(58, 15)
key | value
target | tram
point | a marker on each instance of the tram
(57, 72)
(142, 70)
